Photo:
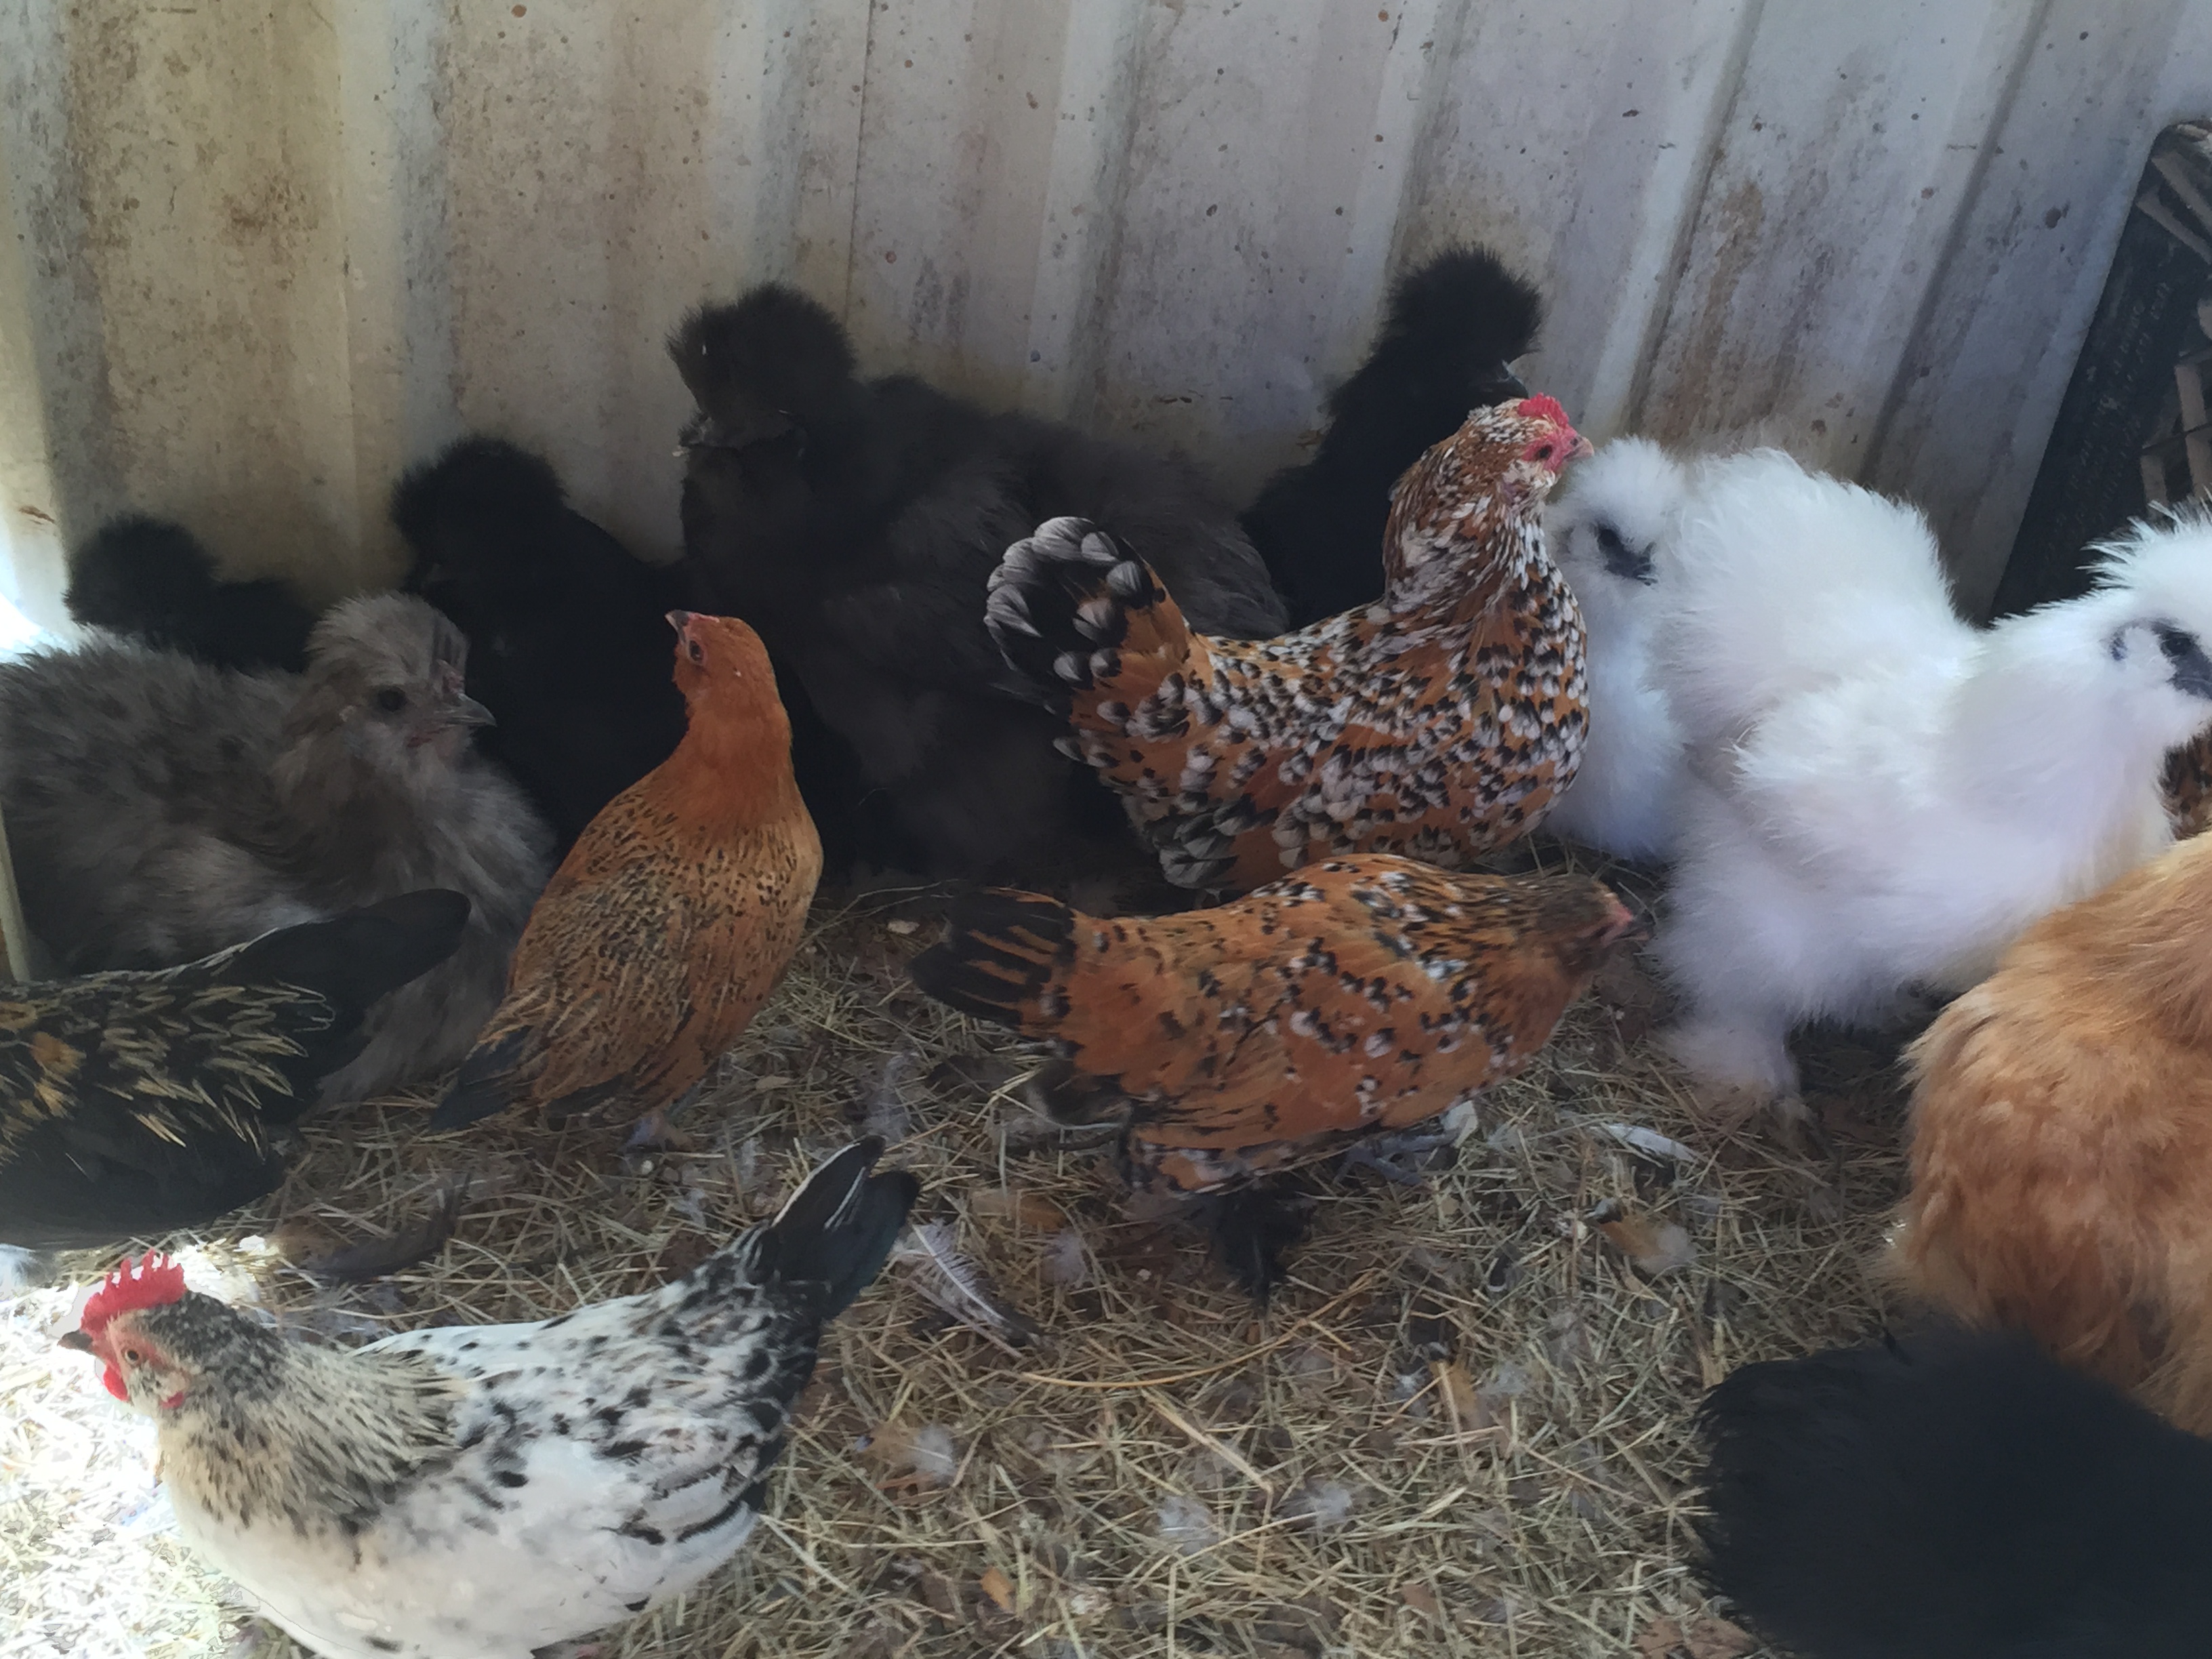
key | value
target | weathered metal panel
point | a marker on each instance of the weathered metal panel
(265, 256)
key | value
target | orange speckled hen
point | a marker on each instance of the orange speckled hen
(1439, 722)
(671, 919)
(1359, 996)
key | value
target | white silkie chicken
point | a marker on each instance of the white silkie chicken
(1880, 796)
(1605, 533)
(483, 1491)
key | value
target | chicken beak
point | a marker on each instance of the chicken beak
(1626, 927)
(466, 710)
(1582, 451)
(75, 1342)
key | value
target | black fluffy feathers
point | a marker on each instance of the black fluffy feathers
(1453, 325)
(151, 580)
(1955, 1496)
(568, 644)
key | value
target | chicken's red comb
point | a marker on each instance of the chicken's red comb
(1543, 408)
(147, 1282)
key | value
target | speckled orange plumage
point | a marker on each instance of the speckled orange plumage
(671, 919)
(2062, 1141)
(1360, 995)
(1439, 722)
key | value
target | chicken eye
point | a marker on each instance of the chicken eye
(132, 1355)
(1542, 451)
(696, 651)
(392, 700)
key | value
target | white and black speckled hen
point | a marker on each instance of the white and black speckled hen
(483, 1491)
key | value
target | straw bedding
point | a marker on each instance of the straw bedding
(1460, 1429)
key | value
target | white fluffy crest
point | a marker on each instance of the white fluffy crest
(1608, 534)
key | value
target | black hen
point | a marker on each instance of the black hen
(854, 524)
(133, 1102)
(1452, 327)
(1959, 1496)
(567, 640)
(149, 579)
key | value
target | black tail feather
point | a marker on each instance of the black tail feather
(152, 580)
(1001, 951)
(838, 1229)
(1058, 608)
(484, 1085)
(1954, 1496)
(363, 955)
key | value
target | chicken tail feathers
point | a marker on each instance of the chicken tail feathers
(1070, 611)
(838, 1229)
(357, 957)
(1004, 958)
(1946, 1495)
(152, 581)
(485, 1085)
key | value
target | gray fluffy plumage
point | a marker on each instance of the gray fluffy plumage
(158, 810)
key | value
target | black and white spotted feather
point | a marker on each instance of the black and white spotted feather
(480, 1493)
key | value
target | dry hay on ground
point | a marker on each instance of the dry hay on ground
(1461, 1430)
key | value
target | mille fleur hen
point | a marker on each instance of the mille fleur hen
(1438, 722)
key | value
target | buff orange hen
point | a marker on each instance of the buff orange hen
(671, 919)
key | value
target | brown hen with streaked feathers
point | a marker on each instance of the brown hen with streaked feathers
(671, 919)
(2062, 1151)
(1438, 722)
(1361, 995)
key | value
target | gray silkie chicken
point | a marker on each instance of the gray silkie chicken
(159, 809)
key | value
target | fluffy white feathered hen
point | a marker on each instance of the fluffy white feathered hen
(482, 1492)
(1606, 533)
(1880, 795)
(159, 809)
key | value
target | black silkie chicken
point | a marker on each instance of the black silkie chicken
(1956, 1496)
(1453, 325)
(855, 522)
(152, 581)
(131, 1103)
(568, 647)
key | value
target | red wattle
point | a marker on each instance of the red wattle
(114, 1379)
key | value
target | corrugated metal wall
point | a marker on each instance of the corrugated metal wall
(266, 254)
